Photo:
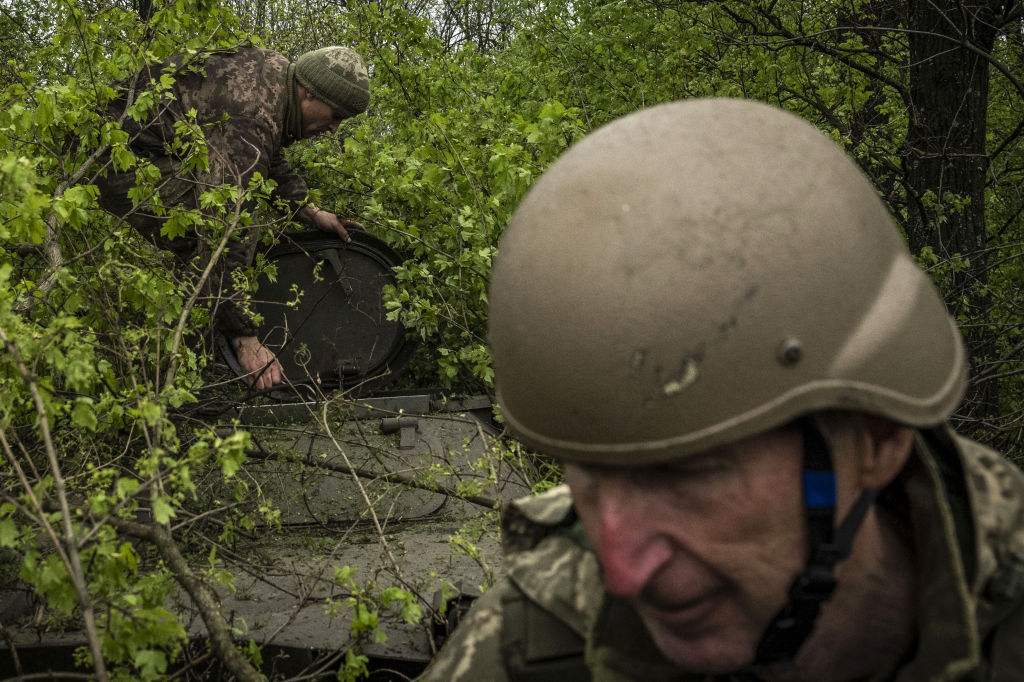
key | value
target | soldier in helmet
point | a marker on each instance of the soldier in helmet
(707, 314)
(250, 104)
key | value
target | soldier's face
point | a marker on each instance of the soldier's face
(318, 117)
(704, 548)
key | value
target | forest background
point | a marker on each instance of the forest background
(471, 101)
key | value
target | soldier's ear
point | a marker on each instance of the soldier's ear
(888, 447)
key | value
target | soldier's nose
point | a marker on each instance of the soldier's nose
(630, 551)
(620, 524)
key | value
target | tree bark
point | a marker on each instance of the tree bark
(945, 160)
(945, 155)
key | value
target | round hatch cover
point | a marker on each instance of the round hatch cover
(324, 316)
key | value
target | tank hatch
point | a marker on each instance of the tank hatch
(323, 314)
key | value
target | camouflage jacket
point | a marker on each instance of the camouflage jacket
(550, 619)
(242, 100)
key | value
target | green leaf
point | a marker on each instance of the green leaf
(162, 511)
(150, 412)
(231, 452)
(151, 663)
(83, 415)
(126, 486)
(8, 533)
(343, 575)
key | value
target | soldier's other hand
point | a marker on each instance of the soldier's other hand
(330, 222)
(260, 366)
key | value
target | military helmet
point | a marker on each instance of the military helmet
(336, 76)
(702, 271)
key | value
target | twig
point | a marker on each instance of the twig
(74, 560)
(362, 491)
(191, 664)
(14, 652)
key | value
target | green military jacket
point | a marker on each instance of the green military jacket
(243, 102)
(551, 619)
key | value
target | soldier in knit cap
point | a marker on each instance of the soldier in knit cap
(249, 104)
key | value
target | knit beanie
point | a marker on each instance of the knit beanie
(337, 77)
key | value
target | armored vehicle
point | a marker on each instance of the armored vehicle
(375, 506)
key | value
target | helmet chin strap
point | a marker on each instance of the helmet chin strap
(828, 545)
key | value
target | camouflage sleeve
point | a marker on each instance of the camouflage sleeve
(237, 149)
(473, 652)
(290, 187)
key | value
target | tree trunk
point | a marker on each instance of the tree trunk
(945, 163)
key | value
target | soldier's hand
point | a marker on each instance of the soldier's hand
(259, 364)
(330, 222)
